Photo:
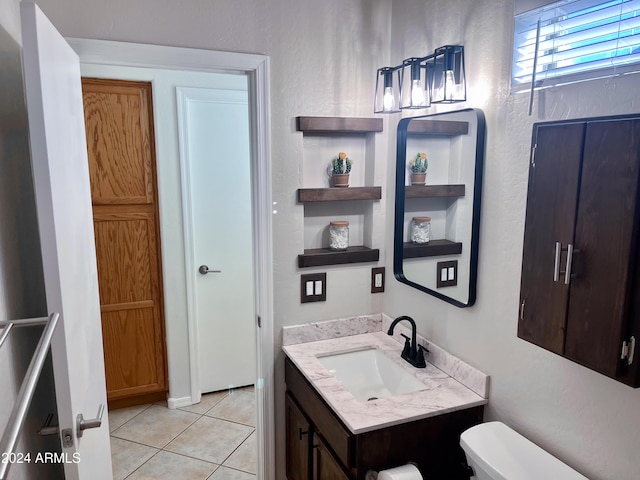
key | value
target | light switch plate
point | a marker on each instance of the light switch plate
(377, 280)
(313, 287)
(447, 274)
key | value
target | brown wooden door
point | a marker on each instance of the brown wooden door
(554, 174)
(605, 235)
(325, 466)
(298, 442)
(120, 142)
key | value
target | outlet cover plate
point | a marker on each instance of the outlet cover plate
(377, 273)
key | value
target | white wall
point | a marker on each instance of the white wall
(584, 418)
(323, 61)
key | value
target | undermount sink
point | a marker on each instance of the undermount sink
(370, 374)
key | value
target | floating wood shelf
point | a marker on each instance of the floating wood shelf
(316, 257)
(337, 194)
(432, 249)
(339, 125)
(437, 127)
(426, 191)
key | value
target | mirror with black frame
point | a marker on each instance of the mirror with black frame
(437, 219)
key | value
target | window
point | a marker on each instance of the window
(577, 40)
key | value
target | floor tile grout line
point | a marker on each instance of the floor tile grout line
(199, 417)
(184, 409)
(237, 470)
(172, 438)
(137, 443)
(142, 464)
(230, 421)
(235, 450)
(143, 410)
(185, 429)
(191, 457)
(226, 458)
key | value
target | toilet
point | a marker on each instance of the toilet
(496, 452)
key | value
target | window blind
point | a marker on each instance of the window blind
(579, 40)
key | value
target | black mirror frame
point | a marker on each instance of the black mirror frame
(398, 234)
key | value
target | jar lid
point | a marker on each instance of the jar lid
(421, 219)
(339, 223)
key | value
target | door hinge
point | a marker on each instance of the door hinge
(628, 350)
(533, 156)
(259, 321)
(522, 310)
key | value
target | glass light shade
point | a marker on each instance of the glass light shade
(387, 98)
(447, 77)
(414, 91)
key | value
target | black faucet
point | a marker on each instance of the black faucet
(412, 354)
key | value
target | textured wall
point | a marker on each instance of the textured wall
(584, 418)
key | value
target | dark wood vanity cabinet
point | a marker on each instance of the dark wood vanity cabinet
(580, 276)
(325, 465)
(320, 447)
(299, 433)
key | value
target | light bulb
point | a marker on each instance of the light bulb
(387, 100)
(417, 94)
(447, 85)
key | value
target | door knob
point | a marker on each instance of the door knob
(47, 428)
(204, 270)
(82, 424)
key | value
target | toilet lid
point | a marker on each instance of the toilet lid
(506, 455)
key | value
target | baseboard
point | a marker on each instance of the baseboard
(134, 400)
(174, 403)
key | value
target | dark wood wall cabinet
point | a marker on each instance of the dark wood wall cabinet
(320, 447)
(580, 291)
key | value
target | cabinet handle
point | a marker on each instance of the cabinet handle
(567, 273)
(301, 433)
(556, 264)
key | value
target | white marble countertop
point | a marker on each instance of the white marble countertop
(442, 393)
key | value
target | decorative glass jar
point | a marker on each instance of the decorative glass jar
(338, 235)
(420, 229)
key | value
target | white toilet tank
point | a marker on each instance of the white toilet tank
(496, 452)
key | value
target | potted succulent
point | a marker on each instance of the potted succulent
(340, 168)
(418, 167)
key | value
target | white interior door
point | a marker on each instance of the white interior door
(61, 176)
(215, 152)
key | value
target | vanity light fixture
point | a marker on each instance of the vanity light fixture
(448, 82)
(387, 98)
(436, 78)
(414, 88)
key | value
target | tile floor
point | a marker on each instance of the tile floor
(213, 440)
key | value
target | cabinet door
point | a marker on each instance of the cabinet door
(325, 466)
(605, 235)
(298, 442)
(554, 174)
(120, 145)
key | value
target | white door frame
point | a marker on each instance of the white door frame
(256, 67)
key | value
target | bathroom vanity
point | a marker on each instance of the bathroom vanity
(333, 431)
